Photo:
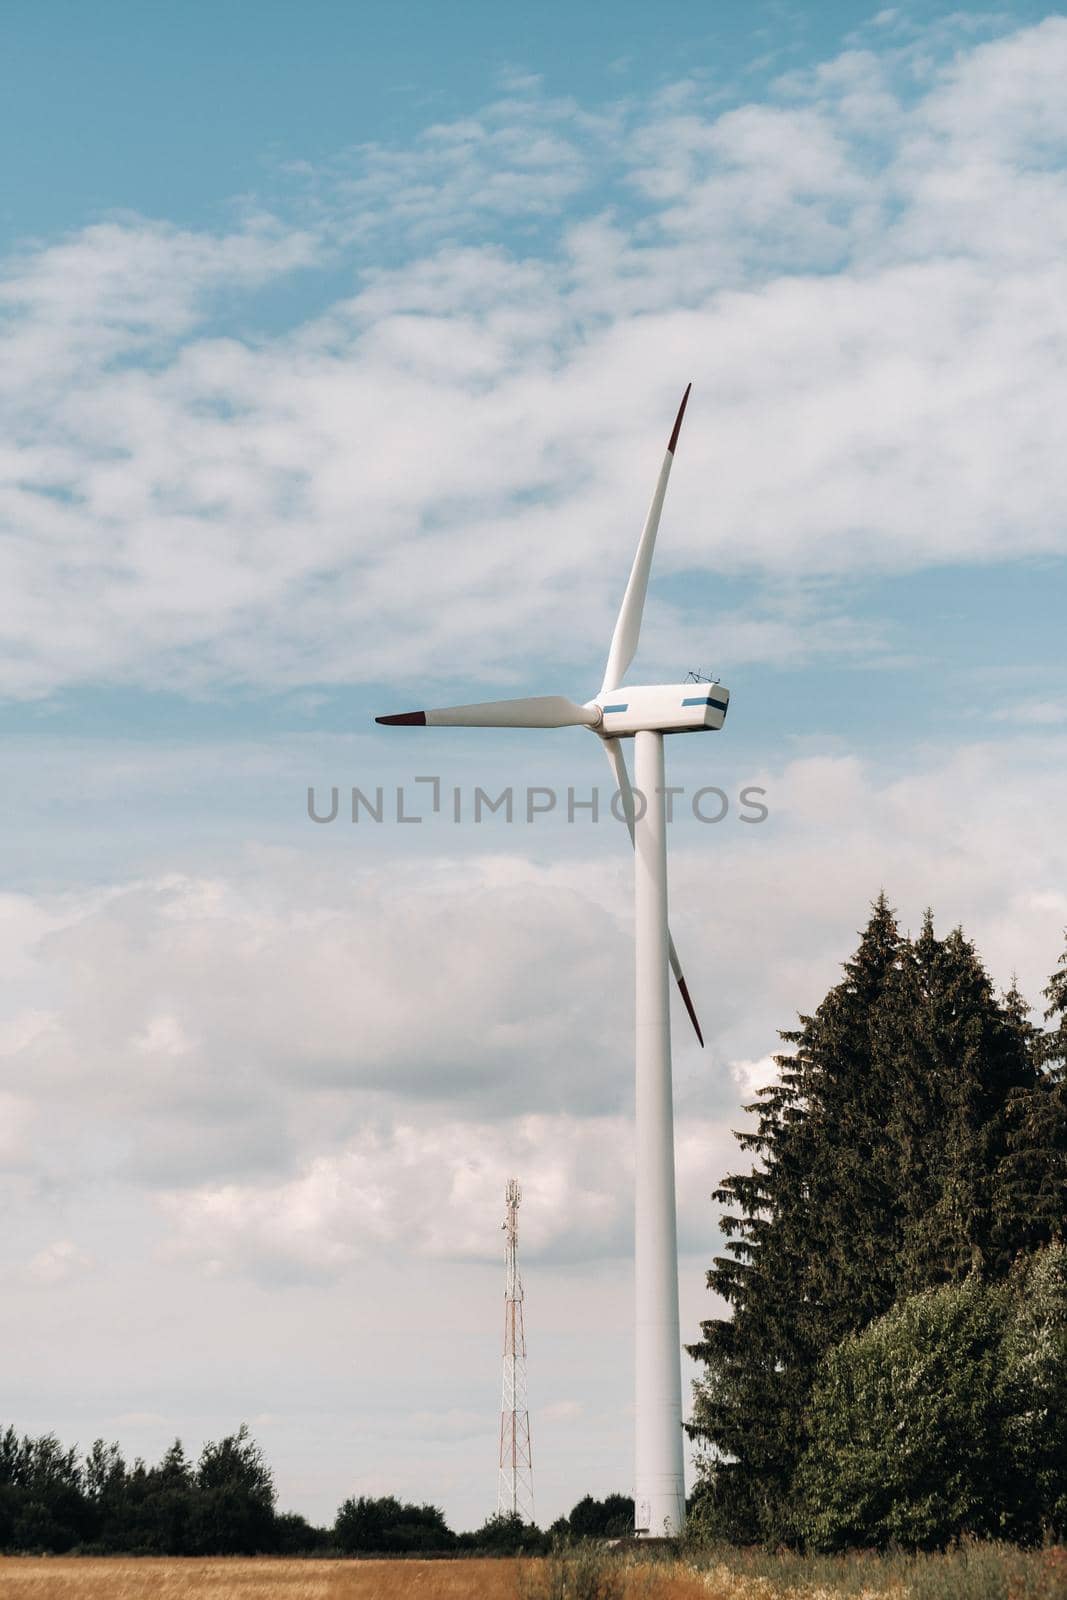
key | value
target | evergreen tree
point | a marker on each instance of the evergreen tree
(883, 1166)
(960, 1059)
(1036, 1170)
(160, 1505)
(812, 1242)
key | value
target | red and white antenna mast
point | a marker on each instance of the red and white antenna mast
(515, 1488)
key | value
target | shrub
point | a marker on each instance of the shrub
(386, 1527)
(907, 1436)
(947, 1416)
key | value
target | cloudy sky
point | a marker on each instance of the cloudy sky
(339, 354)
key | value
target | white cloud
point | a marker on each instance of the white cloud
(1035, 713)
(117, 288)
(58, 1262)
(873, 312)
(520, 158)
(274, 1040)
(429, 1189)
(752, 1076)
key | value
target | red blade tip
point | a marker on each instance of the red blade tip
(404, 719)
(689, 1004)
(678, 420)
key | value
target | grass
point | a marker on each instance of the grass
(972, 1572)
(193, 1578)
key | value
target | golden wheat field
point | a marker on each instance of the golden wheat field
(104, 1578)
(190, 1578)
(971, 1572)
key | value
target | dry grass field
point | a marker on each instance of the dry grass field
(120, 1578)
(105, 1578)
(971, 1573)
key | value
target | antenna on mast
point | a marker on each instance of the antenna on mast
(515, 1483)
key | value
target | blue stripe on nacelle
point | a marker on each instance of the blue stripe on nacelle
(615, 708)
(703, 700)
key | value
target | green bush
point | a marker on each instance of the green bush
(1035, 1383)
(943, 1418)
(505, 1535)
(385, 1526)
(610, 1518)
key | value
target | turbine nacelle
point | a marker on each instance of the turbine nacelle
(662, 708)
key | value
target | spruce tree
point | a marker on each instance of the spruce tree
(1035, 1174)
(883, 1166)
(961, 1059)
(812, 1236)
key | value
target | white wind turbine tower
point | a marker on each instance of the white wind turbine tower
(644, 713)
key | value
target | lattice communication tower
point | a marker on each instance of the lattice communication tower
(515, 1482)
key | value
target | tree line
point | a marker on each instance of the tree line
(54, 1499)
(894, 1365)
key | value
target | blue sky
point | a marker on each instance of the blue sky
(178, 112)
(340, 350)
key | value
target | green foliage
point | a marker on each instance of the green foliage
(574, 1572)
(907, 1427)
(1037, 1168)
(386, 1527)
(916, 1136)
(1035, 1385)
(41, 1502)
(503, 1535)
(51, 1501)
(232, 1512)
(153, 1508)
(294, 1535)
(610, 1518)
(970, 1570)
(946, 1416)
(813, 1233)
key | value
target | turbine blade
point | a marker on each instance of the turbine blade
(628, 625)
(617, 763)
(542, 711)
(683, 989)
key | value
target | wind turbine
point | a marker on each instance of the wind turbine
(644, 713)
